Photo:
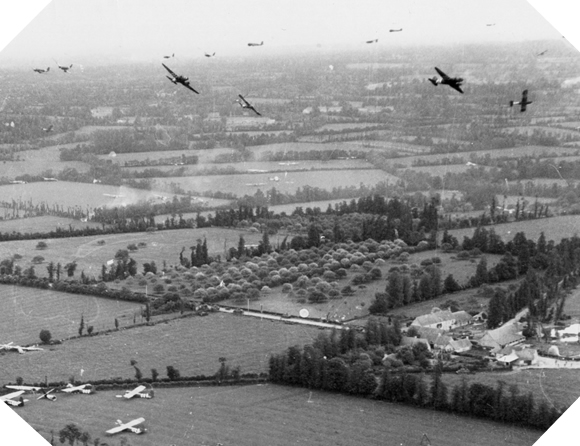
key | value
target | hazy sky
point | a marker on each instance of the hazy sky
(138, 28)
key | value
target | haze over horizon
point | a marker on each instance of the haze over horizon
(145, 30)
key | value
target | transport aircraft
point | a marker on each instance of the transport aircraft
(453, 82)
(178, 79)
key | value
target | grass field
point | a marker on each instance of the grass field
(205, 156)
(80, 195)
(248, 184)
(163, 245)
(554, 228)
(26, 311)
(266, 415)
(192, 345)
(35, 162)
(45, 223)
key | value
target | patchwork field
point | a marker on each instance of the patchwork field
(192, 345)
(78, 195)
(35, 162)
(248, 184)
(26, 311)
(45, 223)
(554, 228)
(89, 255)
(263, 415)
(205, 156)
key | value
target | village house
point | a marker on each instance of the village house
(443, 319)
(501, 337)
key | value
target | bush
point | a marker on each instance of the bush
(45, 336)
(37, 260)
(41, 245)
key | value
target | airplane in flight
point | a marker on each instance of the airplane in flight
(10, 345)
(210, 55)
(523, 102)
(128, 426)
(256, 44)
(9, 398)
(65, 68)
(542, 53)
(83, 388)
(137, 391)
(40, 70)
(245, 104)
(372, 41)
(169, 57)
(396, 30)
(453, 82)
(178, 79)
(47, 395)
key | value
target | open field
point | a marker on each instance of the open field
(441, 170)
(248, 184)
(554, 228)
(26, 311)
(247, 167)
(41, 224)
(323, 205)
(88, 130)
(550, 131)
(81, 195)
(192, 345)
(348, 126)
(205, 156)
(162, 245)
(35, 162)
(265, 415)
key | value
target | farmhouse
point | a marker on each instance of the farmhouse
(407, 340)
(445, 319)
(505, 335)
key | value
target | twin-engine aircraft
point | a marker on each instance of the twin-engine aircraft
(18, 348)
(9, 398)
(523, 102)
(245, 104)
(256, 44)
(137, 391)
(128, 426)
(83, 388)
(40, 70)
(178, 79)
(65, 68)
(453, 82)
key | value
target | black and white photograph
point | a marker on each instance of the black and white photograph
(277, 223)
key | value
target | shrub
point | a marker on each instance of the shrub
(132, 247)
(45, 336)
(41, 245)
(100, 242)
(37, 260)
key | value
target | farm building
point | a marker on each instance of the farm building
(523, 356)
(505, 335)
(460, 345)
(406, 340)
(443, 319)
(510, 359)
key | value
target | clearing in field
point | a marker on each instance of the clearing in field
(264, 415)
(193, 345)
(248, 184)
(90, 253)
(24, 312)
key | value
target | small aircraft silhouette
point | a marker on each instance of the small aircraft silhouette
(453, 82)
(47, 129)
(372, 41)
(210, 55)
(83, 388)
(178, 79)
(523, 102)
(490, 24)
(245, 104)
(542, 53)
(65, 68)
(256, 44)
(47, 395)
(137, 391)
(169, 57)
(396, 30)
(9, 398)
(40, 70)
(128, 426)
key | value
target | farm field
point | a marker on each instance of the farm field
(45, 223)
(550, 131)
(193, 345)
(26, 311)
(77, 195)
(443, 169)
(205, 156)
(348, 126)
(90, 129)
(255, 415)
(248, 184)
(161, 245)
(554, 228)
(35, 162)
(245, 167)
(323, 205)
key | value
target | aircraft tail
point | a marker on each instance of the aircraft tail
(433, 80)
(47, 69)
